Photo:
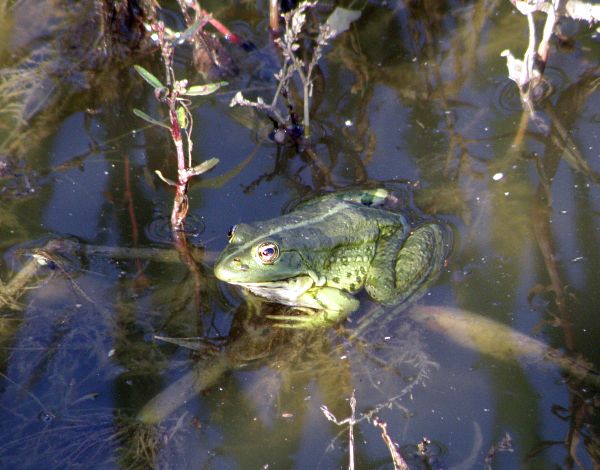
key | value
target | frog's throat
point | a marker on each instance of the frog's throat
(286, 291)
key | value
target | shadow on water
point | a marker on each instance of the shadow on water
(495, 365)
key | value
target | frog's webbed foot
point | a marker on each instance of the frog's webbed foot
(328, 307)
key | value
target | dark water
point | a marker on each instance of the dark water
(415, 93)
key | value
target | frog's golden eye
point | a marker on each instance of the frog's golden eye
(231, 232)
(267, 252)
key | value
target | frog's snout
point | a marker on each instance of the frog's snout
(225, 268)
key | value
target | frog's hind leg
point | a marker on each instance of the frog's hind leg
(403, 272)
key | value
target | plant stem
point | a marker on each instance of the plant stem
(306, 117)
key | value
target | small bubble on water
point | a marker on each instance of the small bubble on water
(498, 176)
(46, 416)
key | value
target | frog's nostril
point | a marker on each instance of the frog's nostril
(237, 263)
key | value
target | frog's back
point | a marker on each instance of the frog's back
(331, 222)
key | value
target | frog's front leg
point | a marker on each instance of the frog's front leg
(328, 306)
(402, 269)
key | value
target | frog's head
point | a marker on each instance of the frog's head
(255, 257)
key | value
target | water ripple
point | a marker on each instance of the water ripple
(508, 101)
(159, 230)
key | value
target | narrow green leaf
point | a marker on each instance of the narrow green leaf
(195, 344)
(151, 79)
(170, 182)
(188, 33)
(201, 90)
(204, 166)
(182, 117)
(141, 114)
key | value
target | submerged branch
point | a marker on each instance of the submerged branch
(500, 341)
(528, 73)
(21, 282)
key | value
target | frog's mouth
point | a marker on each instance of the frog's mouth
(285, 291)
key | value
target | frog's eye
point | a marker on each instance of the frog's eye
(231, 232)
(267, 252)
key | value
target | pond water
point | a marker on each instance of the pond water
(493, 368)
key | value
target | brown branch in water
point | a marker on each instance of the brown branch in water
(274, 17)
(185, 254)
(399, 462)
(560, 146)
(541, 228)
(128, 196)
(503, 445)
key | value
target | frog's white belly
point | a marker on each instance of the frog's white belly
(286, 292)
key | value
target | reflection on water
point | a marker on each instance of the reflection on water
(90, 275)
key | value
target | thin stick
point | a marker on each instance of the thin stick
(351, 432)
(350, 422)
(399, 462)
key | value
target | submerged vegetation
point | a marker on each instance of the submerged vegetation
(117, 350)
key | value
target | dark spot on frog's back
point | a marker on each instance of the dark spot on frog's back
(367, 199)
(336, 280)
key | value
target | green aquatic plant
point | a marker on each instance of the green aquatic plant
(175, 94)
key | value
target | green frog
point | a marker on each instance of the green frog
(318, 256)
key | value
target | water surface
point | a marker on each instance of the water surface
(413, 94)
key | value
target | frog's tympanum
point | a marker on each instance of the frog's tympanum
(327, 249)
